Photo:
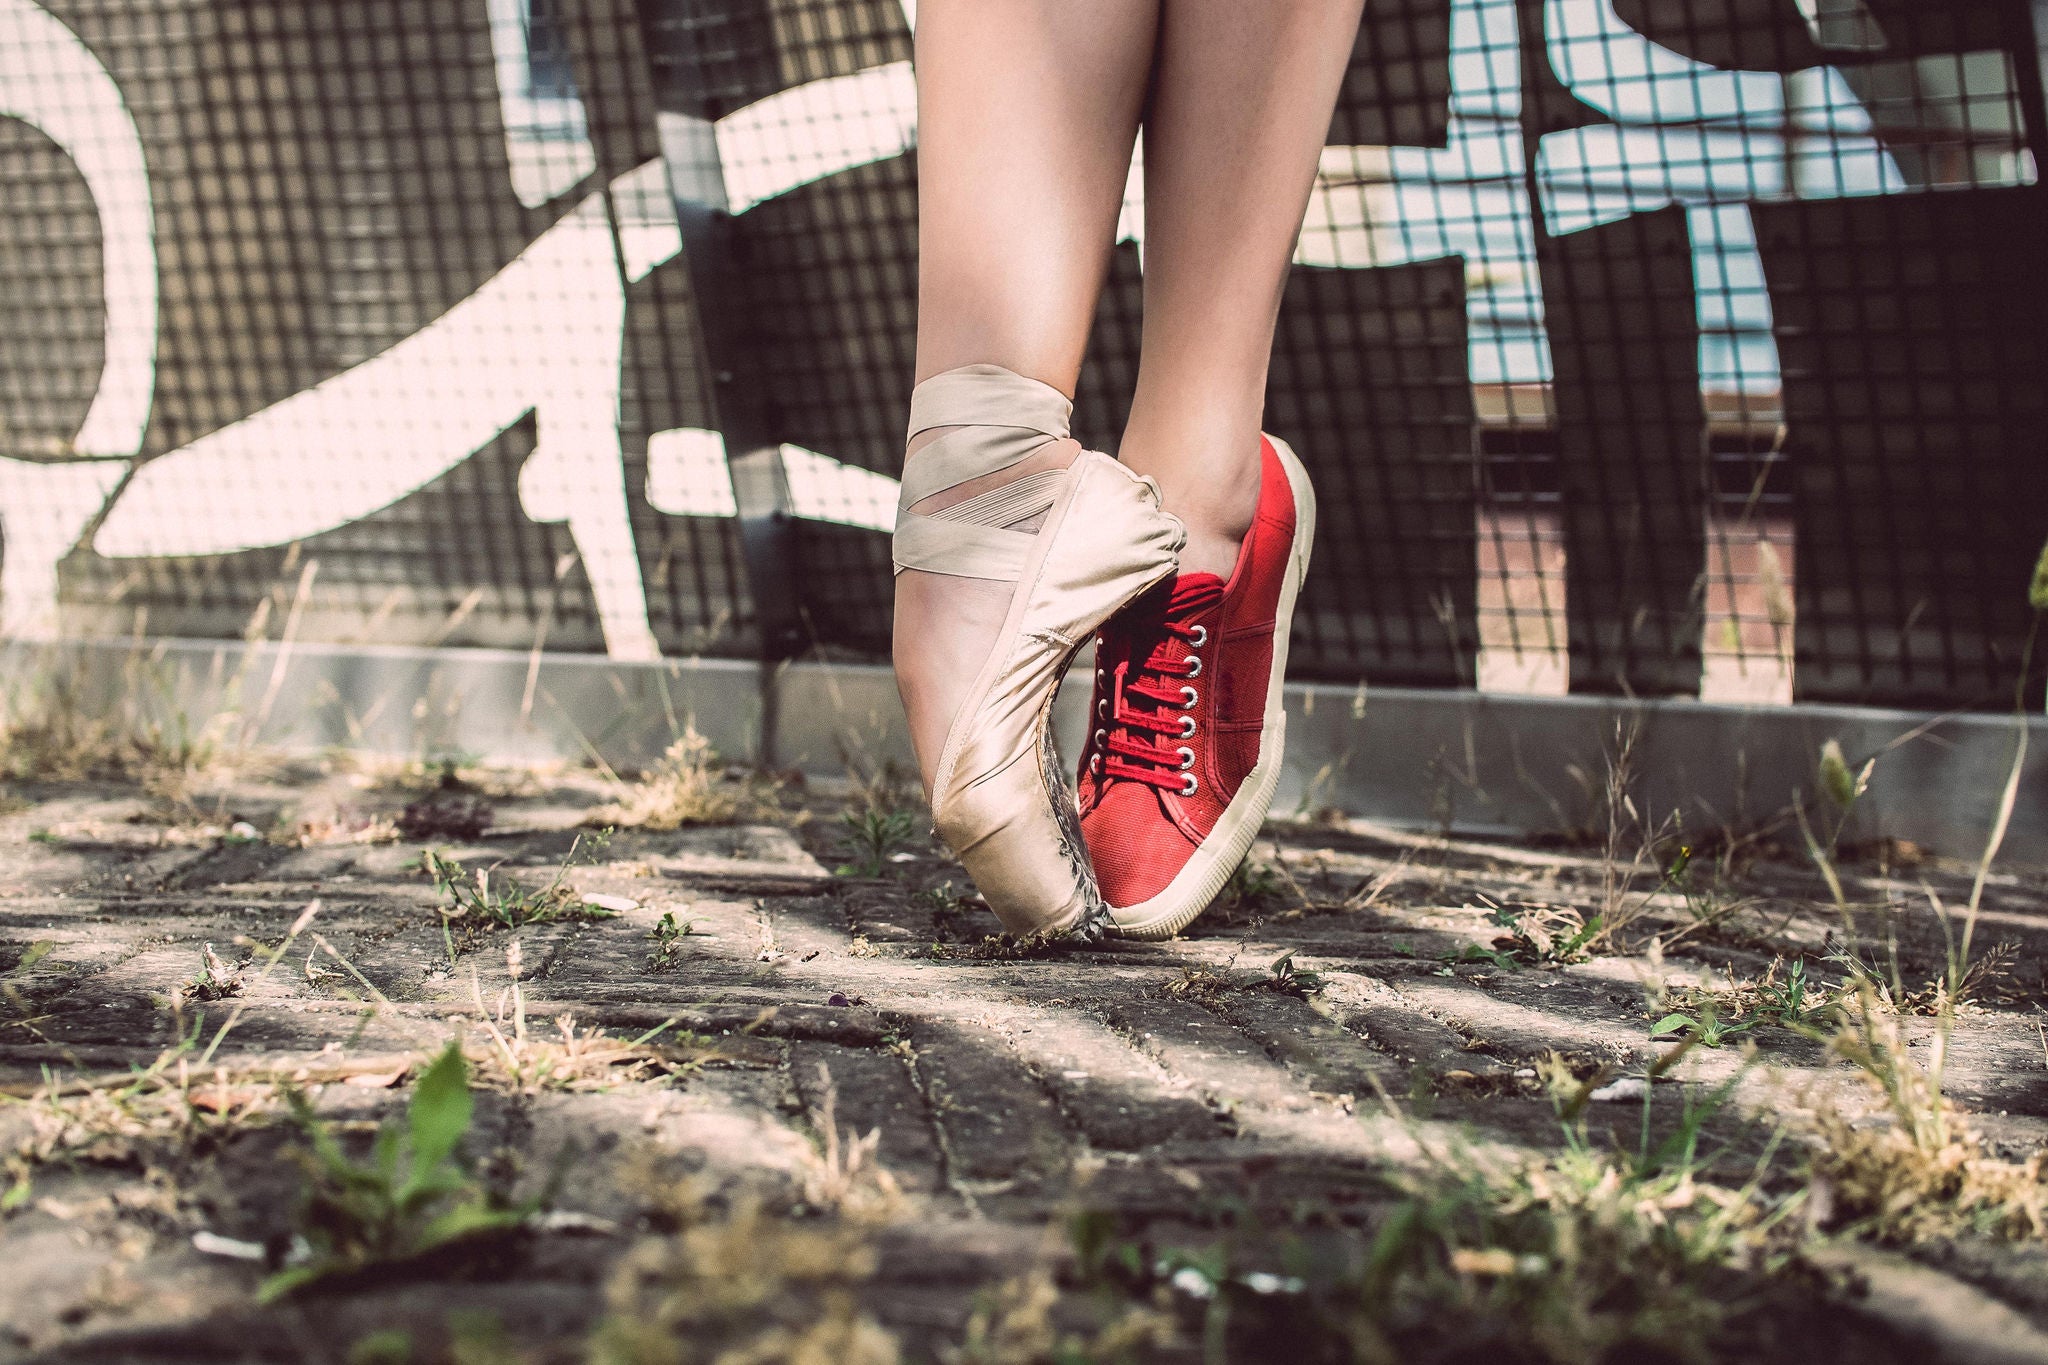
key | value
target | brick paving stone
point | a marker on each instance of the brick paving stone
(873, 1092)
(1121, 1099)
(1323, 1053)
(1386, 1018)
(1001, 1133)
(153, 871)
(1581, 1021)
(755, 857)
(1231, 1070)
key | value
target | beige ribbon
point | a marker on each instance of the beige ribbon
(999, 418)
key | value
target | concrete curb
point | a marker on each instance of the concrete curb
(1478, 763)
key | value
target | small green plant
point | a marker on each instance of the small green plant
(1287, 979)
(1475, 953)
(1706, 1026)
(944, 901)
(478, 902)
(1252, 880)
(1708, 905)
(1281, 977)
(387, 1346)
(1588, 1254)
(1718, 1016)
(414, 1196)
(668, 934)
(877, 835)
(1795, 1001)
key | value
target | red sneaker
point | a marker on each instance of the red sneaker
(1187, 718)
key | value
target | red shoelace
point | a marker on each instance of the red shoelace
(1151, 702)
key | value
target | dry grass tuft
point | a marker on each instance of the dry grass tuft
(1900, 1187)
(516, 1060)
(842, 1176)
(1012, 1324)
(1920, 1173)
(690, 786)
(524, 1063)
(163, 1107)
(53, 730)
(748, 1289)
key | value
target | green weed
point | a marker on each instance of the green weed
(1555, 934)
(1718, 1016)
(1254, 887)
(668, 934)
(877, 834)
(946, 906)
(478, 902)
(414, 1196)
(1285, 978)
(1281, 976)
(1708, 1027)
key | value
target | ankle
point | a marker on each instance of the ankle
(1217, 511)
(1210, 481)
(1211, 552)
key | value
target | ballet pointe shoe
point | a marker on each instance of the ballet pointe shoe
(1098, 540)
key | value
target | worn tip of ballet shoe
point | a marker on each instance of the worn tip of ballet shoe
(1094, 925)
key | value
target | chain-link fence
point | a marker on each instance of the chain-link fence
(1694, 347)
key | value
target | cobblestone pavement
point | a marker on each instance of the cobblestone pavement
(1169, 1084)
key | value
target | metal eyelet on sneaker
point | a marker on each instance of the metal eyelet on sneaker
(1187, 758)
(1102, 708)
(1188, 785)
(1188, 697)
(1194, 666)
(1201, 637)
(1095, 764)
(1101, 735)
(1187, 727)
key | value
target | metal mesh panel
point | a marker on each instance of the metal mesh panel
(1678, 348)
(392, 355)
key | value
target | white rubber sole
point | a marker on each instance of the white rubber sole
(1197, 884)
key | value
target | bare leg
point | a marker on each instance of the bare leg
(1027, 113)
(1238, 119)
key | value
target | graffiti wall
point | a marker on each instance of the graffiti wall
(1679, 348)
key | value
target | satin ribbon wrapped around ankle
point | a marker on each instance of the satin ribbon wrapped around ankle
(999, 419)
